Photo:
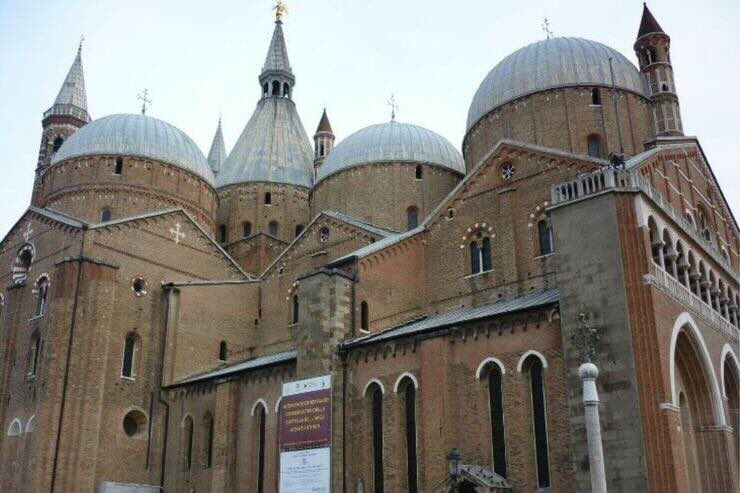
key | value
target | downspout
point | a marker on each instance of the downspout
(69, 359)
(164, 403)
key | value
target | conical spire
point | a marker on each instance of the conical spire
(277, 54)
(324, 125)
(73, 90)
(648, 24)
(217, 154)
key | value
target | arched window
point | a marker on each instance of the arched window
(118, 170)
(419, 172)
(652, 55)
(544, 231)
(208, 443)
(364, 316)
(596, 97)
(273, 228)
(261, 415)
(33, 354)
(704, 225)
(16, 428)
(188, 442)
(412, 217)
(376, 414)
(275, 88)
(222, 233)
(246, 229)
(298, 229)
(295, 309)
(268, 198)
(480, 254)
(475, 258)
(534, 367)
(286, 90)
(22, 263)
(57, 144)
(594, 145)
(656, 244)
(129, 353)
(223, 351)
(42, 292)
(321, 149)
(105, 215)
(408, 389)
(496, 406)
(265, 90)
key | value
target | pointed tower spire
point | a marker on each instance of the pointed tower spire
(277, 79)
(323, 141)
(648, 24)
(217, 154)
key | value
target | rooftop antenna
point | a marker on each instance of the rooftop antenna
(394, 107)
(546, 28)
(143, 97)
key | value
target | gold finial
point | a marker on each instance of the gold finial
(280, 9)
(546, 28)
(394, 106)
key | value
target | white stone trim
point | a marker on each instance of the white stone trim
(727, 351)
(16, 428)
(277, 404)
(685, 320)
(531, 352)
(401, 377)
(495, 361)
(372, 381)
(264, 404)
(30, 424)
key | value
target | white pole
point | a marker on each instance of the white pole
(588, 373)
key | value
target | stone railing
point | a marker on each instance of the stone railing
(680, 293)
(625, 180)
(67, 109)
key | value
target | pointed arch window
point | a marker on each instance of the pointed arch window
(376, 413)
(22, 264)
(409, 402)
(544, 232)
(129, 353)
(188, 442)
(496, 406)
(412, 217)
(42, 293)
(535, 368)
(480, 254)
(261, 415)
(295, 309)
(208, 443)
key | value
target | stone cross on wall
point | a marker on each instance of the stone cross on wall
(177, 235)
(585, 339)
(29, 231)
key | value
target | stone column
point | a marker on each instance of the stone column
(588, 373)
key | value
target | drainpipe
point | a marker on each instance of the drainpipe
(165, 404)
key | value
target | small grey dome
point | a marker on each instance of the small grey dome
(392, 141)
(136, 135)
(552, 63)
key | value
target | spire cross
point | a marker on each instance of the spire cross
(280, 9)
(394, 107)
(143, 97)
(546, 28)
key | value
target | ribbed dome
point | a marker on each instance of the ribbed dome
(551, 63)
(392, 141)
(136, 135)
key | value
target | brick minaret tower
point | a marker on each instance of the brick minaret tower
(653, 52)
(323, 141)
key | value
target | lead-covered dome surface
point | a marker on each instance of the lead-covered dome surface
(552, 63)
(136, 135)
(389, 142)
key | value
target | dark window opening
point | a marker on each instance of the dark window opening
(298, 230)
(57, 144)
(321, 149)
(261, 450)
(188, 443)
(498, 439)
(222, 233)
(42, 287)
(364, 316)
(595, 97)
(544, 230)
(129, 347)
(411, 466)
(652, 55)
(118, 170)
(594, 145)
(33, 354)
(377, 410)
(412, 217)
(208, 462)
(222, 351)
(286, 90)
(474, 258)
(247, 229)
(296, 307)
(539, 422)
(664, 87)
(419, 172)
(134, 423)
(105, 215)
(265, 90)
(276, 88)
(486, 254)
(273, 228)
(268, 198)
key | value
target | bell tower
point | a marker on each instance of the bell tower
(653, 52)
(323, 141)
(66, 115)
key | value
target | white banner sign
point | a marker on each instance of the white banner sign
(305, 471)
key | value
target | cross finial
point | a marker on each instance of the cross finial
(143, 97)
(585, 339)
(280, 9)
(546, 28)
(394, 107)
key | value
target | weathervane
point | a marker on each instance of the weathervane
(143, 97)
(546, 28)
(585, 339)
(280, 9)
(394, 107)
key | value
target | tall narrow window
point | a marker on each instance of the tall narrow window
(33, 354)
(377, 428)
(544, 231)
(261, 415)
(596, 97)
(118, 170)
(105, 215)
(412, 217)
(188, 442)
(419, 172)
(265, 90)
(275, 88)
(295, 309)
(57, 144)
(42, 291)
(474, 258)
(129, 349)
(594, 145)
(208, 452)
(222, 233)
(496, 404)
(222, 351)
(298, 230)
(539, 420)
(410, 415)
(486, 254)
(364, 316)
(273, 228)
(246, 229)
(268, 198)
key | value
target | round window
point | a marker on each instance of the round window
(138, 286)
(134, 423)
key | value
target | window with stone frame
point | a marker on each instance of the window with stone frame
(480, 253)
(407, 388)
(22, 264)
(375, 394)
(129, 355)
(534, 368)
(260, 416)
(42, 293)
(545, 237)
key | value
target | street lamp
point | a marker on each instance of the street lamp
(454, 461)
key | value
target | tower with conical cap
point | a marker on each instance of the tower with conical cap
(66, 115)
(323, 141)
(653, 52)
(217, 154)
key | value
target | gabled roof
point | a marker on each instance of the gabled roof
(462, 315)
(648, 24)
(229, 369)
(217, 154)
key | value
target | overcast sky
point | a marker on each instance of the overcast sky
(201, 58)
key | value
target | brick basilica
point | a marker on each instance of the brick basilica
(154, 300)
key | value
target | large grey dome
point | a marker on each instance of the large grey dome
(392, 141)
(136, 135)
(551, 63)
